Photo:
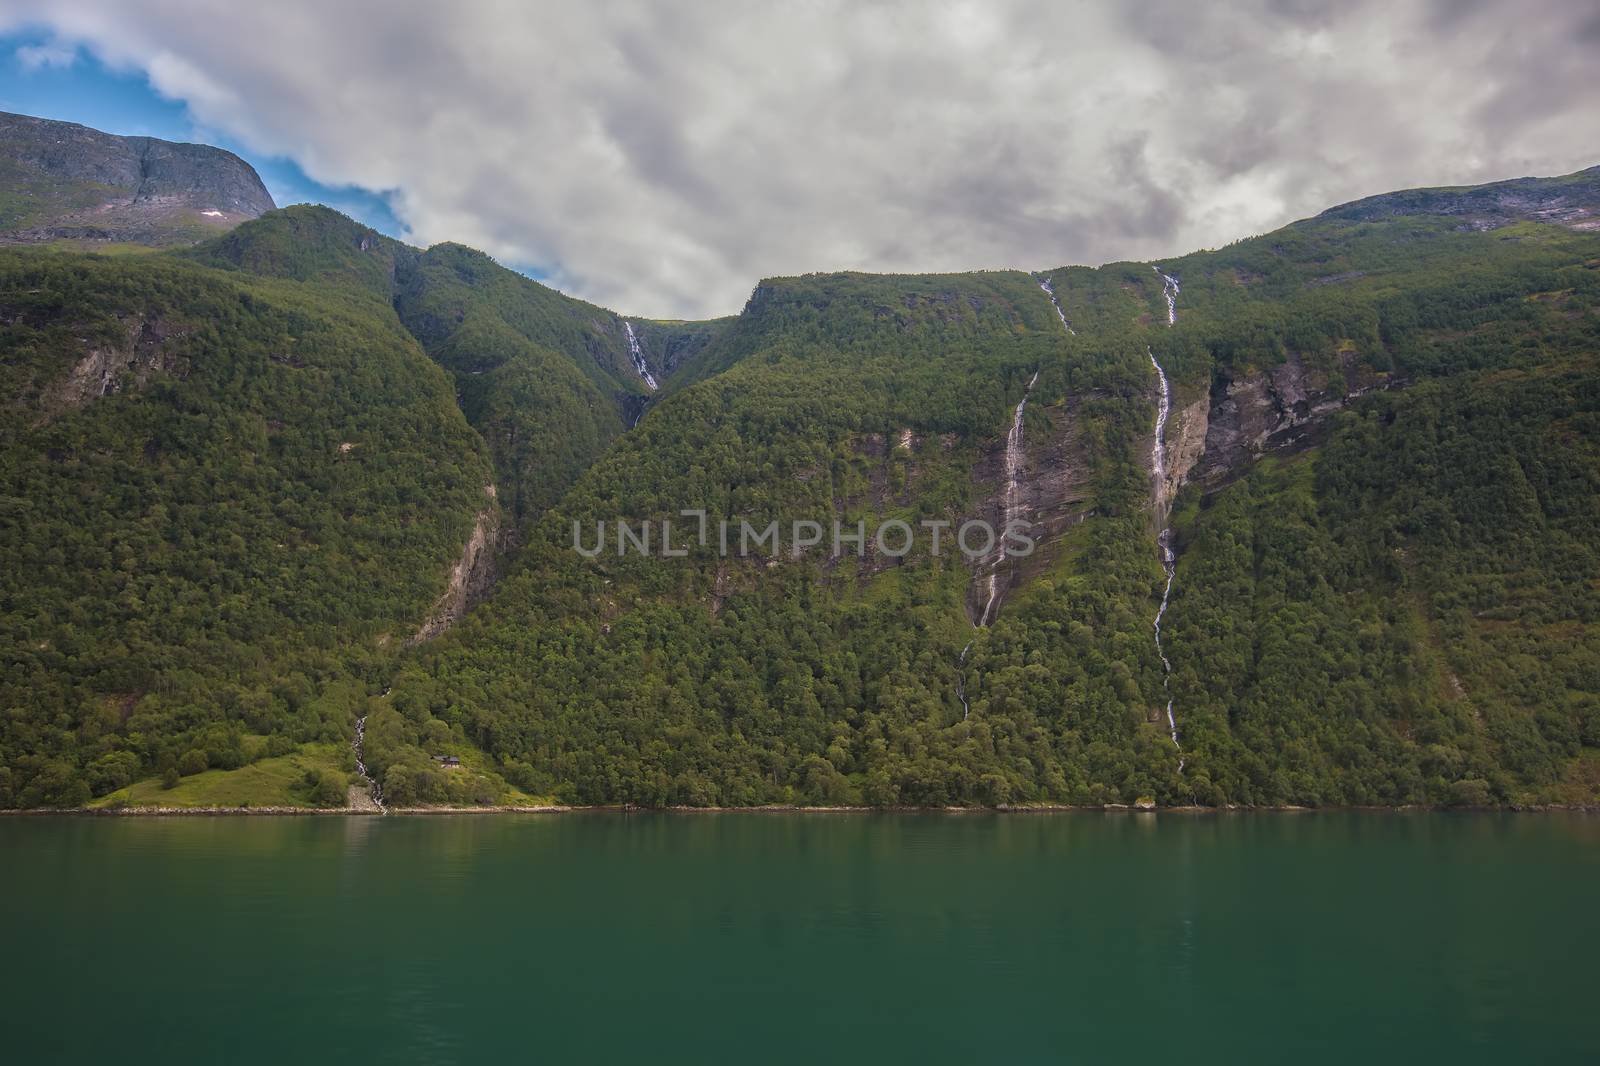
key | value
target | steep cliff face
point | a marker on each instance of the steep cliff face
(1284, 407)
(68, 182)
(673, 345)
(1186, 444)
(1052, 494)
(104, 368)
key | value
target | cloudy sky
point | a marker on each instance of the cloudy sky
(661, 158)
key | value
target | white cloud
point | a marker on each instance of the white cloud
(661, 158)
(32, 57)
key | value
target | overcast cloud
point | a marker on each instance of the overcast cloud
(661, 158)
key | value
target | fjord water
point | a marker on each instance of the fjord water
(802, 938)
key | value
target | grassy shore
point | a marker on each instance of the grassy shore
(278, 782)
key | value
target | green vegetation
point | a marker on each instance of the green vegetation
(1301, 674)
(218, 562)
(314, 776)
(28, 197)
(1410, 617)
(264, 501)
(545, 380)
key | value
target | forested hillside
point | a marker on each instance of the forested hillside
(237, 478)
(223, 500)
(1383, 432)
(548, 381)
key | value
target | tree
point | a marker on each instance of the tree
(332, 790)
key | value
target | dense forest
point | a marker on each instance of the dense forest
(236, 477)
(221, 499)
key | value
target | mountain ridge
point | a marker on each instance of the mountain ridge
(68, 182)
(1382, 454)
(1569, 199)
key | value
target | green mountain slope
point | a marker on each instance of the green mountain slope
(224, 503)
(548, 381)
(242, 481)
(1327, 644)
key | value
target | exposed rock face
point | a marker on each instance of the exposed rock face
(1052, 495)
(471, 578)
(106, 369)
(1186, 444)
(673, 345)
(1212, 440)
(1271, 410)
(71, 182)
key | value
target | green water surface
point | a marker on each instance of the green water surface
(802, 938)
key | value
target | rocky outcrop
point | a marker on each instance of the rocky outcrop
(471, 578)
(1052, 494)
(104, 369)
(1285, 407)
(70, 182)
(1186, 444)
(673, 345)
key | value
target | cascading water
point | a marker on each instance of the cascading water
(1169, 289)
(1051, 292)
(359, 744)
(637, 354)
(1158, 465)
(1009, 504)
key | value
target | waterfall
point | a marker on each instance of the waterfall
(1169, 564)
(1158, 453)
(1051, 292)
(638, 356)
(359, 745)
(1008, 506)
(1158, 465)
(1169, 289)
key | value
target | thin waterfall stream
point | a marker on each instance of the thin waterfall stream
(1008, 506)
(1158, 464)
(359, 746)
(1051, 292)
(637, 354)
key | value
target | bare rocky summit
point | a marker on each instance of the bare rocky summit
(66, 182)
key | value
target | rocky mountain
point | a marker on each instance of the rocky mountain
(66, 182)
(1572, 200)
(1312, 522)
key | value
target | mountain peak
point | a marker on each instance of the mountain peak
(72, 183)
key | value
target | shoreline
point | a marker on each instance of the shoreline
(549, 809)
